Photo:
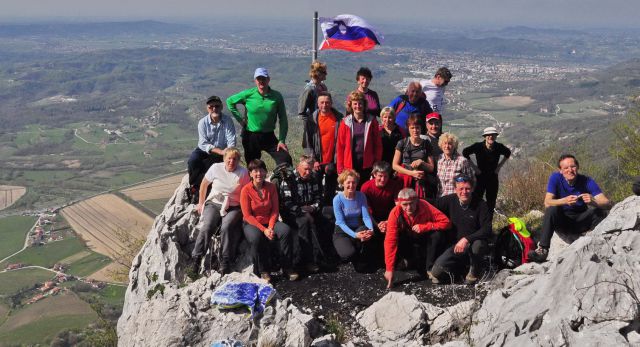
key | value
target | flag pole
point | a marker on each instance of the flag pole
(314, 56)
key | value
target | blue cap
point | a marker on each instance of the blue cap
(261, 71)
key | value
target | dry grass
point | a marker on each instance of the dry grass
(10, 194)
(513, 101)
(523, 187)
(160, 189)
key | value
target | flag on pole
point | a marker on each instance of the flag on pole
(349, 33)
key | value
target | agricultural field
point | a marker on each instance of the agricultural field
(48, 254)
(13, 231)
(103, 220)
(160, 189)
(86, 265)
(10, 194)
(14, 281)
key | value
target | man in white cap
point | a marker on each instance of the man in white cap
(488, 165)
(263, 107)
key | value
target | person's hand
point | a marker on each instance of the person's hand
(587, 198)
(415, 228)
(282, 146)
(572, 199)
(416, 163)
(364, 235)
(388, 275)
(316, 166)
(269, 233)
(200, 208)
(460, 246)
(417, 174)
(307, 208)
(383, 226)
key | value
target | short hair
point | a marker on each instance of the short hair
(407, 193)
(348, 173)
(256, 164)
(448, 137)
(325, 93)
(364, 71)
(415, 84)
(461, 179)
(389, 110)
(355, 95)
(231, 151)
(414, 119)
(381, 166)
(444, 73)
(307, 159)
(565, 156)
(317, 67)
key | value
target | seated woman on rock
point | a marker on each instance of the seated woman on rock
(412, 160)
(221, 207)
(260, 209)
(354, 238)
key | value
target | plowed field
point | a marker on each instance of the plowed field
(160, 189)
(10, 194)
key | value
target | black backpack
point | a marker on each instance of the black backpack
(284, 173)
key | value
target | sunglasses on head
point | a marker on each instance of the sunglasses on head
(462, 179)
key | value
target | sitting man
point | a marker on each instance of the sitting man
(381, 192)
(471, 223)
(412, 230)
(215, 133)
(573, 202)
(301, 209)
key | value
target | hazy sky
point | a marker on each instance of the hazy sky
(541, 13)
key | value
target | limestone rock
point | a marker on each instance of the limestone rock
(452, 323)
(395, 319)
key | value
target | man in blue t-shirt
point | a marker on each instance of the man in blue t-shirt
(573, 202)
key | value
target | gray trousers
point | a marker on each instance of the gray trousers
(229, 232)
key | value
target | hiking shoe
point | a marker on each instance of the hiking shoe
(265, 276)
(538, 255)
(292, 275)
(312, 268)
(472, 277)
(433, 278)
(402, 264)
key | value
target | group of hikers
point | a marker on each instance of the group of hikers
(393, 192)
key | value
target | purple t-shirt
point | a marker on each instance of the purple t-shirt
(560, 188)
(358, 142)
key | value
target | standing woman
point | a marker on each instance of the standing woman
(359, 143)
(412, 159)
(308, 100)
(391, 134)
(363, 78)
(260, 209)
(353, 237)
(451, 165)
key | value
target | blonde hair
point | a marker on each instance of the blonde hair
(317, 67)
(355, 95)
(231, 151)
(348, 173)
(389, 110)
(448, 137)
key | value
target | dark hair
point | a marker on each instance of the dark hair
(381, 166)
(256, 164)
(462, 178)
(414, 118)
(565, 156)
(444, 73)
(324, 93)
(364, 71)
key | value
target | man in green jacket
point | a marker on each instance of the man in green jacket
(263, 106)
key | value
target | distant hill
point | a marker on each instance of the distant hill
(92, 29)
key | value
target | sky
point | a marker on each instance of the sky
(487, 13)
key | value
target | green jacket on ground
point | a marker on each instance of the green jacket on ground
(262, 111)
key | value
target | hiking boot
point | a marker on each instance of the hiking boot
(291, 275)
(433, 278)
(312, 268)
(472, 277)
(435, 273)
(538, 255)
(402, 264)
(265, 276)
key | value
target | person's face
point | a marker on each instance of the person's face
(231, 162)
(381, 179)
(350, 184)
(569, 169)
(258, 175)
(363, 82)
(388, 120)
(433, 127)
(463, 191)
(414, 130)
(409, 207)
(357, 106)
(262, 83)
(324, 104)
(490, 139)
(440, 82)
(447, 148)
(304, 170)
(214, 108)
(413, 93)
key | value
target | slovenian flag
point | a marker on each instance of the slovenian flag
(349, 33)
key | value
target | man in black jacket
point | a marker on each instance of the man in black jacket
(471, 228)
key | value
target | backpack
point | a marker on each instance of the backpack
(513, 244)
(284, 173)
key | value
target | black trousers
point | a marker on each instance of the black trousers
(306, 238)
(329, 173)
(487, 183)
(420, 249)
(449, 261)
(364, 255)
(261, 247)
(198, 164)
(254, 143)
(577, 222)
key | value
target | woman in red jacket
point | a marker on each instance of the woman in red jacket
(359, 142)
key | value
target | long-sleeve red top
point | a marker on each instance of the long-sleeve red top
(260, 211)
(426, 217)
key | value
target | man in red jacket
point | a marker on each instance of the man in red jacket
(412, 229)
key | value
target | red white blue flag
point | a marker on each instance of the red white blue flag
(349, 33)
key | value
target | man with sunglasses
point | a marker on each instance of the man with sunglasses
(215, 133)
(263, 107)
(434, 89)
(471, 228)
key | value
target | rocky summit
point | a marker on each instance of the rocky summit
(586, 294)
